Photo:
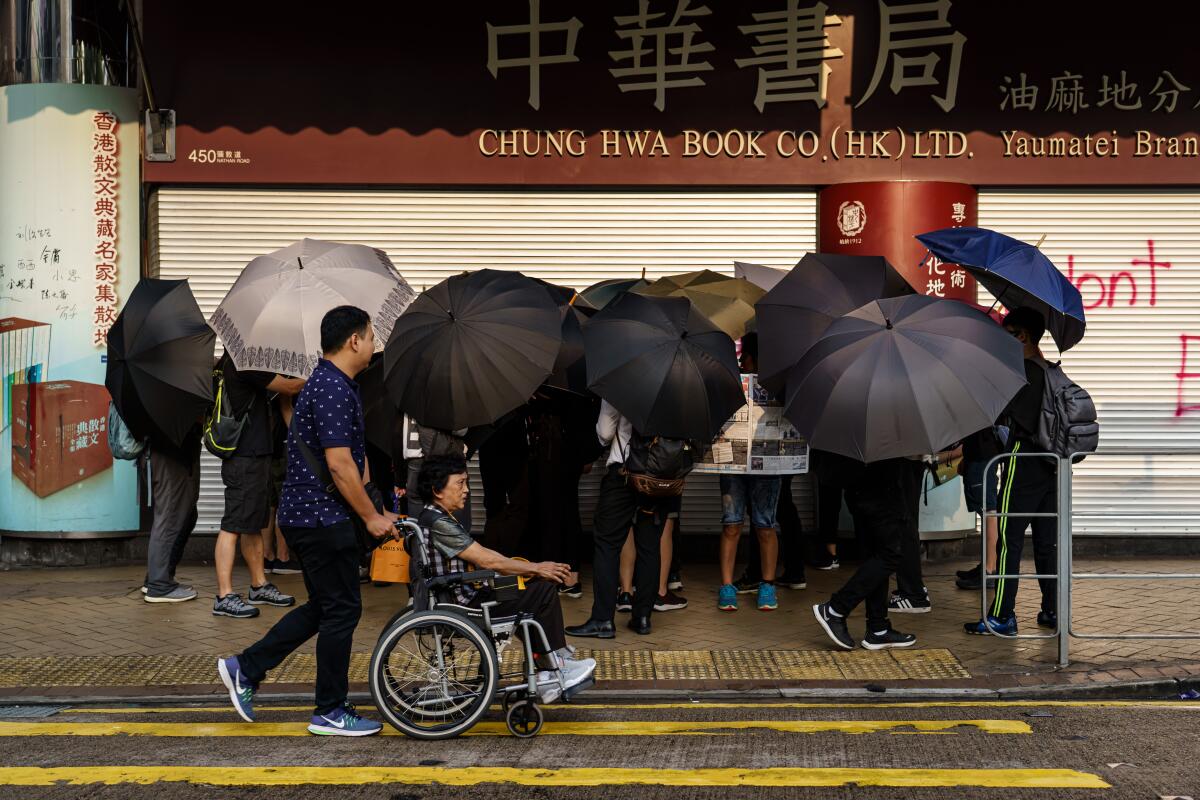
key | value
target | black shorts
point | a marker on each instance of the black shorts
(247, 493)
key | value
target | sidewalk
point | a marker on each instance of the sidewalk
(86, 632)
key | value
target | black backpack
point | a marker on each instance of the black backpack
(222, 430)
(658, 465)
(1067, 425)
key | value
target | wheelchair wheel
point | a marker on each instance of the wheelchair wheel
(524, 719)
(433, 674)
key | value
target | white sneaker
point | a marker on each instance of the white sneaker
(577, 671)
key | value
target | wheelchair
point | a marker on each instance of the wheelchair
(436, 668)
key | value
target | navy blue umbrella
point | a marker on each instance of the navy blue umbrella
(1018, 274)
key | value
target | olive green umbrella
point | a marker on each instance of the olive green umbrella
(727, 301)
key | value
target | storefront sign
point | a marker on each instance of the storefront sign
(68, 260)
(882, 218)
(780, 92)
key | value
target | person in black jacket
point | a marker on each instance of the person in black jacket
(1027, 486)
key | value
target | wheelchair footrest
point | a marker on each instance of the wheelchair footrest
(579, 687)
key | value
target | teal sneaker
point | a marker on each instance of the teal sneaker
(727, 598)
(343, 721)
(766, 597)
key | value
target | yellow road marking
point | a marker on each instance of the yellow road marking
(606, 728)
(591, 776)
(1162, 705)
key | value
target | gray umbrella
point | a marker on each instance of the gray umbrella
(271, 318)
(903, 376)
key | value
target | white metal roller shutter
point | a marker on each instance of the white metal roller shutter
(1130, 360)
(570, 237)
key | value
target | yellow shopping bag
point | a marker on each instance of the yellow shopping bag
(389, 562)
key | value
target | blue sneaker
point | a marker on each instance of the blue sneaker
(994, 626)
(240, 691)
(727, 598)
(343, 721)
(766, 597)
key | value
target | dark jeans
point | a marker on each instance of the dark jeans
(879, 505)
(1036, 494)
(329, 558)
(909, 580)
(175, 488)
(791, 535)
(540, 598)
(618, 507)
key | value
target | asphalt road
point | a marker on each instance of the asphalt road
(668, 750)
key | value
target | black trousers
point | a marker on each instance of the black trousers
(879, 507)
(829, 511)
(1027, 486)
(329, 558)
(540, 598)
(791, 536)
(618, 507)
(909, 580)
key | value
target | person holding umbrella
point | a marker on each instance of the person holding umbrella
(663, 370)
(159, 375)
(897, 377)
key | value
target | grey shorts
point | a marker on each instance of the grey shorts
(247, 493)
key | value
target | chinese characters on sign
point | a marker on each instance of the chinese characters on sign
(86, 433)
(790, 47)
(104, 192)
(1068, 93)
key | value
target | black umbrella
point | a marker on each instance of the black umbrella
(160, 360)
(664, 366)
(818, 290)
(379, 412)
(570, 369)
(472, 348)
(604, 292)
(903, 376)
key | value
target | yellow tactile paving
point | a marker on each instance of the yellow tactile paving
(612, 665)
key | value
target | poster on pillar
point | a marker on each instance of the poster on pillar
(880, 218)
(69, 256)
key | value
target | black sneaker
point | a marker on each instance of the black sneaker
(899, 604)
(834, 626)
(669, 602)
(1047, 619)
(289, 567)
(625, 602)
(825, 562)
(889, 638)
(975, 572)
(268, 565)
(971, 582)
(796, 581)
(746, 586)
(232, 605)
(674, 582)
(575, 592)
(269, 595)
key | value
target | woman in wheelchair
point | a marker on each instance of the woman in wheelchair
(443, 486)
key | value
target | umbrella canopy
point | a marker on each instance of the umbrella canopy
(379, 412)
(271, 319)
(766, 278)
(472, 348)
(664, 366)
(160, 360)
(728, 302)
(818, 290)
(602, 293)
(903, 376)
(570, 369)
(1018, 274)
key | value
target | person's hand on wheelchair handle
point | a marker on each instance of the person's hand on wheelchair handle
(382, 526)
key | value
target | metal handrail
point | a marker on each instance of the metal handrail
(1065, 629)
